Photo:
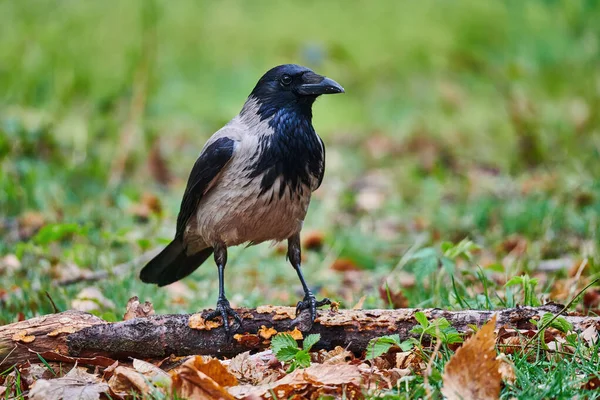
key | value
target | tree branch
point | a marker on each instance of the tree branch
(81, 336)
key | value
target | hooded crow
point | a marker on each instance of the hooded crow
(252, 183)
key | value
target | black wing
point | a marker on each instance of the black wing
(210, 163)
(322, 169)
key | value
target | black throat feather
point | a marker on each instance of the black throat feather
(292, 152)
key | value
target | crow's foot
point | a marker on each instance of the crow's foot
(224, 311)
(310, 303)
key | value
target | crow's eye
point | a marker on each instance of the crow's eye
(286, 80)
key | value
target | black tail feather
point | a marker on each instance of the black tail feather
(173, 264)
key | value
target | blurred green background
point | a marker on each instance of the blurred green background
(470, 119)
(462, 162)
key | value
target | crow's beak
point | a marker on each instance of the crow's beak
(315, 85)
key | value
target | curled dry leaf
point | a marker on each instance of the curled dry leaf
(590, 335)
(314, 382)
(198, 380)
(359, 304)
(76, 385)
(338, 355)
(410, 359)
(144, 378)
(33, 372)
(382, 378)
(253, 369)
(473, 371)
(137, 310)
(215, 370)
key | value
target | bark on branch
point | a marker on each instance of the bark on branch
(75, 335)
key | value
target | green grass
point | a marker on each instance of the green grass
(461, 120)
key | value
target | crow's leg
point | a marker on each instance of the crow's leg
(223, 308)
(309, 302)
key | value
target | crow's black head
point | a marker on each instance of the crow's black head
(293, 87)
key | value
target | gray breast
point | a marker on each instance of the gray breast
(236, 210)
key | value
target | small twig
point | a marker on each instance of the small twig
(8, 355)
(56, 310)
(116, 270)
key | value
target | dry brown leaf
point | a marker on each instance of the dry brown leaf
(313, 382)
(591, 299)
(506, 369)
(410, 359)
(253, 369)
(191, 383)
(344, 264)
(593, 383)
(137, 310)
(472, 372)
(215, 370)
(125, 381)
(144, 378)
(76, 385)
(338, 355)
(382, 377)
(359, 304)
(590, 335)
(313, 240)
(33, 372)
(396, 299)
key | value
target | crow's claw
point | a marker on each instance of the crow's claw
(224, 311)
(310, 303)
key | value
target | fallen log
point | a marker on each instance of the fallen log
(74, 335)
